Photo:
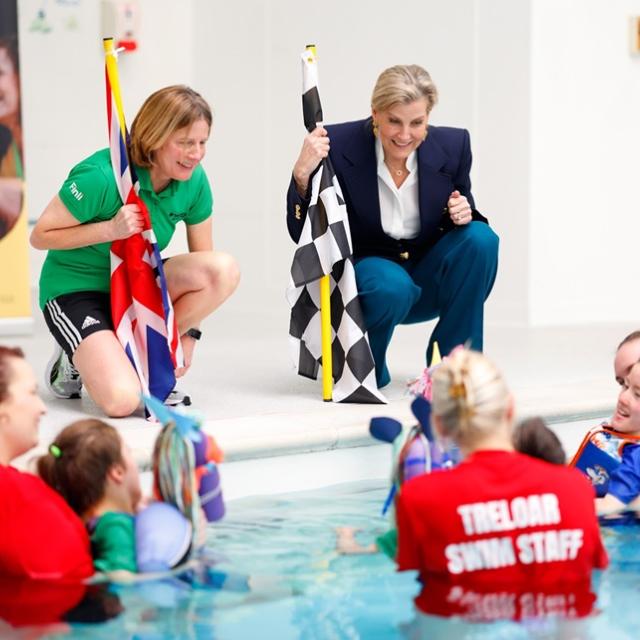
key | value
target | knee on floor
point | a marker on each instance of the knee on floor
(120, 402)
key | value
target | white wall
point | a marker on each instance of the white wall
(547, 88)
(585, 167)
(501, 89)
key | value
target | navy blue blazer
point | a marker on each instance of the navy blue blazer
(444, 162)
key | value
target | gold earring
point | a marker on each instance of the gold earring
(375, 128)
(426, 133)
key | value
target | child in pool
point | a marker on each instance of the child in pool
(624, 482)
(92, 468)
(534, 438)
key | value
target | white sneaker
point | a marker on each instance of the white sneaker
(61, 377)
(177, 397)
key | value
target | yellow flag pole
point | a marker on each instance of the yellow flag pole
(325, 323)
(436, 358)
(111, 63)
(325, 318)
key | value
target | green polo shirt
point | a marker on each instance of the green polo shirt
(91, 195)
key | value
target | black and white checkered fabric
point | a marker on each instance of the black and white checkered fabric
(324, 248)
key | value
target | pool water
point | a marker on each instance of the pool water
(301, 588)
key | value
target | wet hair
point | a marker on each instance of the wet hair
(79, 460)
(634, 335)
(161, 115)
(402, 84)
(534, 438)
(469, 396)
(6, 374)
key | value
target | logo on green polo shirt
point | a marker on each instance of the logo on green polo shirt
(176, 216)
(75, 192)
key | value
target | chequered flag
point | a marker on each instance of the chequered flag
(324, 248)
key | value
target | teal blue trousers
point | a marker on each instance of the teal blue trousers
(450, 282)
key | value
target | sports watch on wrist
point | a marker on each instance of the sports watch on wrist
(196, 334)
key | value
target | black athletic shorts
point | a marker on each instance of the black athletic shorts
(74, 316)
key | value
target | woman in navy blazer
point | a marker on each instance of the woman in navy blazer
(421, 249)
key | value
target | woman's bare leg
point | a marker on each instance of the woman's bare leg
(198, 284)
(107, 374)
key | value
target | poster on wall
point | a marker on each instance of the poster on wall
(15, 304)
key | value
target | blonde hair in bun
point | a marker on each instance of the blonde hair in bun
(470, 396)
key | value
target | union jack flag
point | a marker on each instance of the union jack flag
(140, 306)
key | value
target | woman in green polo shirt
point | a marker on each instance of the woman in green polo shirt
(168, 142)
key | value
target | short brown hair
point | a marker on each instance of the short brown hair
(534, 438)
(161, 115)
(634, 335)
(402, 84)
(6, 353)
(87, 450)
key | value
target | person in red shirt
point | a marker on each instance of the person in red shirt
(499, 516)
(40, 536)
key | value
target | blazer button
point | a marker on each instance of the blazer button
(404, 255)
(298, 213)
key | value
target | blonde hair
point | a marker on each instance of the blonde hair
(470, 396)
(402, 84)
(161, 115)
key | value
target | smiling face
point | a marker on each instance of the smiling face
(401, 129)
(177, 158)
(627, 414)
(20, 412)
(9, 87)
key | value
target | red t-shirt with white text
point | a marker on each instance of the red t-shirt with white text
(500, 515)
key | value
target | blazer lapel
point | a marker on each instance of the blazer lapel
(434, 185)
(360, 178)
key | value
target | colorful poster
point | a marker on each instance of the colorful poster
(15, 304)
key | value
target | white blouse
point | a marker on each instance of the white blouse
(399, 207)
